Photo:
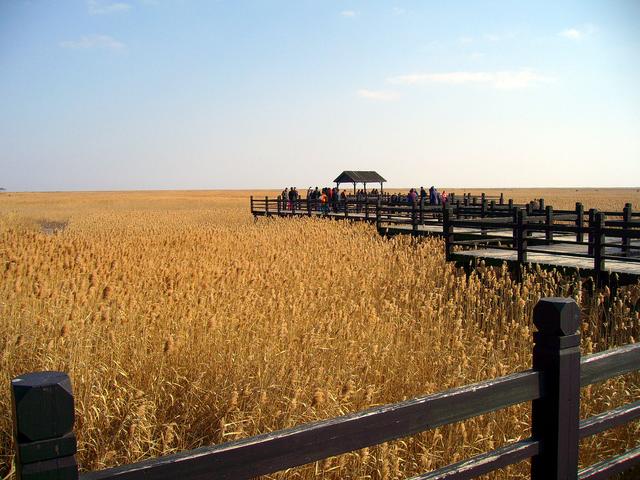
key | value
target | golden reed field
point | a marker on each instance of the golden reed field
(182, 322)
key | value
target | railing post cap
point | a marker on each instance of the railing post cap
(556, 316)
(43, 403)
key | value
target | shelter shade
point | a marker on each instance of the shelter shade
(360, 176)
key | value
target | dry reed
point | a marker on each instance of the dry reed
(182, 323)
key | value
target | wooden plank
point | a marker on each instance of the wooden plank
(485, 463)
(611, 466)
(609, 419)
(276, 451)
(610, 363)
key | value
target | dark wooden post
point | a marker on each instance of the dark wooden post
(579, 222)
(530, 211)
(266, 206)
(43, 419)
(458, 211)
(501, 198)
(293, 207)
(366, 208)
(421, 210)
(346, 207)
(414, 217)
(474, 201)
(378, 220)
(514, 220)
(555, 418)
(626, 219)
(483, 214)
(308, 200)
(279, 205)
(599, 249)
(591, 236)
(466, 201)
(522, 237)
(252, 204)
(447, 231)
(549, 224)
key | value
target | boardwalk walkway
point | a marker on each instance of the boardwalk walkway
(602, 245)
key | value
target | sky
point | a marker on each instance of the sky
(180, 94)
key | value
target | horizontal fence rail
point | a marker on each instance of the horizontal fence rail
(46, 445)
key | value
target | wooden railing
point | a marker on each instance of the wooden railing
(604, 236)
(46, 445)
(354, 208)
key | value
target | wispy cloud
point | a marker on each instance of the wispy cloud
(349, 13)
(398, 11)
(93, 41)
(507, 80)
(379, 95)
(101, 7)
(578, 33)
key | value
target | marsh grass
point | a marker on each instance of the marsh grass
(182, 322)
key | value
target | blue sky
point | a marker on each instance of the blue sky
(134, 94)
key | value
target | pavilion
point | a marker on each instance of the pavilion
(359, 176)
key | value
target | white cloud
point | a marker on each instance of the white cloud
(93, 41)
(380, 95)
(578, 33)
(508, 80)
(101, 7)
(349, 13)
(398, 11)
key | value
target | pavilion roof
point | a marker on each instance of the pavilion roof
(359, 176)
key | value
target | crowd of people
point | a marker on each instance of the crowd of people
(334, 199)
(432, 197)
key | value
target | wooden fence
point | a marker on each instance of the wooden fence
(396, 212)
(596, 236)
(45, 443)
(595, 240)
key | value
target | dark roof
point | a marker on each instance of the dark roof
(359, 176)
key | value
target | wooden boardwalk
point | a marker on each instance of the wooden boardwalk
(553, 257)
(602, 245)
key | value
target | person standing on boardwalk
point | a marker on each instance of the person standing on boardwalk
(291, 195)
(285, 198)
(423, 194)
(324, 202)
(432, 195)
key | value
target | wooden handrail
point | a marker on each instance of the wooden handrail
(46, 443)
